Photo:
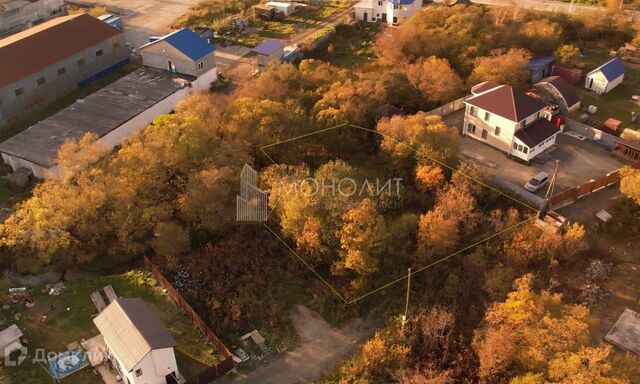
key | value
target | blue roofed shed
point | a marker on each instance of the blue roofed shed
(268, 51)
(539, 68)
(606, 77)
(182, 51)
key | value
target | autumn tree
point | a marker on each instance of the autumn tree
(435, 79)
(567, 53)
(363, 240)
(411, 138)
(502, 67)
(533, 337)
(541, 36)
(630, 183)
(77, 155)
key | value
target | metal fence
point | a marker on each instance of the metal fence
(213, 372)
(448, 108)
(570, 195)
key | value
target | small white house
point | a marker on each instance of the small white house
(10, 340)
(606, 77)
(388, 11)
(268, 51)
(139, 346)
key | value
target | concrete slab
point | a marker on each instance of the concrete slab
(625, 333)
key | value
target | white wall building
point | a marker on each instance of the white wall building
(16, 15)
(114, 113)
(137, 343)
(509, 120)
(389, 11)
(606, 77)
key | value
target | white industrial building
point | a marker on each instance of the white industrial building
(16, 15)
(114, 113)
(387, 11)
(119, 110)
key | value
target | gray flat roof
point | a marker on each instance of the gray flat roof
(99, 113)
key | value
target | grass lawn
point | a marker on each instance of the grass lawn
(69, 318)
(617, 103)
(350, 47)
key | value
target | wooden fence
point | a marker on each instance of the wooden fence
(448, 108)
(213, 372)
(570, 195)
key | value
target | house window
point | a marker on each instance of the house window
(471, 128)
(81, 62)
(99, 53)
(19, 91)
(138, 372)
(380, 3)
(473, 111)
(497, 131)
(41, 81)
(395, 6)
(520, 147)
(525, 149)
(200, 65)
(515, 145)
(62, 71)
(487, 116)
(484, 133)
(395, 19)
(523, 123)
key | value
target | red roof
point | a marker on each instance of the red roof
(508, 102)
(37, 48)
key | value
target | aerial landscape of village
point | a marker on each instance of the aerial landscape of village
(320, 191)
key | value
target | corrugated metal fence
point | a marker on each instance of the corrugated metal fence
(213, 372)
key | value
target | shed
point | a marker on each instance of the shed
(280, 6)
(539, 68)
(10, 340)
(571, 75)
(625, 333)
(268, 51)
(606, 77)
(557, 90)
(137, 342)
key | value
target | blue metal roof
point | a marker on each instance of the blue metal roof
(401, 2)
(612, 69)
(268, 47)
(189, 43)
(539, 62)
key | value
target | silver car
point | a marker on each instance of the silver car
(537, 182)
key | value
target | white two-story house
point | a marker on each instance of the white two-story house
(388, 11)
(509, 120)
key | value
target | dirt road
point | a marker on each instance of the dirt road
(321, 349)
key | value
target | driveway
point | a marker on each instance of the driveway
(144, 18)
(321, 349)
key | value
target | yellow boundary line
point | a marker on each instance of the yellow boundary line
(384, 286)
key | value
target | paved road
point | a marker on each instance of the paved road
(545, 5)
(321, 349)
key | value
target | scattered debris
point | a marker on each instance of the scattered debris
(598, 270)
(591, 293)
(54, 289)
(182, 281)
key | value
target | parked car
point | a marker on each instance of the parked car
(537, 182)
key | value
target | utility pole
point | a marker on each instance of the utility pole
(406, 306)
(545, 203)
